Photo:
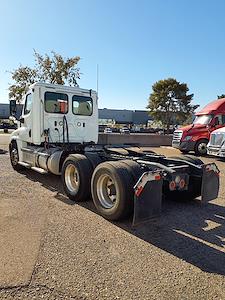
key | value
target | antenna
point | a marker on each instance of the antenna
(97, 78)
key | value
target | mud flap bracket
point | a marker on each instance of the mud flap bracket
(147, 197)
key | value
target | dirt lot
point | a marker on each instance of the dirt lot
(52, 248)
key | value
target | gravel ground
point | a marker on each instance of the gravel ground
(52, 248)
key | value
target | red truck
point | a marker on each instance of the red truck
(195, 137)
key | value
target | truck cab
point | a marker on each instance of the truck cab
(47, 105)
(195, 137)
(54, 115)
(216, 145)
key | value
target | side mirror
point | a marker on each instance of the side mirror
(21, 120)
(216, 122)
(12, 107)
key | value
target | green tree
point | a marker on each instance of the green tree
(48, 68)
(170, 103)
(221, 96)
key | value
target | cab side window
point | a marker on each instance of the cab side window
(28, 104)
(221, 119)
(56, 103)
(82, 106)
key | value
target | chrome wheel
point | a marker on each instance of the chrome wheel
(72, 178)
(107, 191)
(202, 148)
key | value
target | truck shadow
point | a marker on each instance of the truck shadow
(188, 230)
(2, 151)
(51, 182)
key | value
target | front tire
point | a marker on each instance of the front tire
(14, 156)
(201, 147)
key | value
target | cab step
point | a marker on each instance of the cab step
(39, 170)
(29, 166)
(24, 164)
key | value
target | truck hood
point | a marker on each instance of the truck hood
(192, 127)
(220, 130)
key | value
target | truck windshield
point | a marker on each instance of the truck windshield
(203, 120)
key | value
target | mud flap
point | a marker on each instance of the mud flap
(210, 182)
(148, 197)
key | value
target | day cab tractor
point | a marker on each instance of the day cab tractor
(195, 137)
(216, 145)
(58, 134)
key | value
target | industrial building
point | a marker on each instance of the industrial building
(128, 117)
(106, 116)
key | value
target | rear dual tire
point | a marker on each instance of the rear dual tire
(111, 183)
(76, 175)
(112, 188)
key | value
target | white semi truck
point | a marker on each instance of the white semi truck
(216, 145)
(58, 134)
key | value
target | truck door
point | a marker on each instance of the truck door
(55, 107)
(82, 123)
(219, 122)
(26, 119)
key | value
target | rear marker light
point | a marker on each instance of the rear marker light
(172, 185)
(182, 184)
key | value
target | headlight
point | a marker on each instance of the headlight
(188, 138)
(223, 144)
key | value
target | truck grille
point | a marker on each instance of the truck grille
(177, 135)
(216, 139)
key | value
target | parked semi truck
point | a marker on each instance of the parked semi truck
(216, 145)
(7, 124)
(195, 137)
(58, 134)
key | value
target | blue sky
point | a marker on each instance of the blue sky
(134, 42)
